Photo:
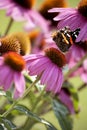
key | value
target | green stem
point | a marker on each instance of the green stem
(82, 87)
(75, 67)
(29, 88)
(29, 123)
(9, 26)
(9, 110)
(15, 102)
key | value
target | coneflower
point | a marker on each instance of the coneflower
(49, 66)
(74, 18)
(11, 68)
(48, 4)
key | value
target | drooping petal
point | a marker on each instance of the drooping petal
(4, 73)
(45, 74)
(9, 81)
(59, 82)
(19, 82)
(52, 81)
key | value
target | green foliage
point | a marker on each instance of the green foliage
(5, 123)
(30, 114)
(62, 115)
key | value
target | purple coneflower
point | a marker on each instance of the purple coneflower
(22, 10)
(49, 66)
(74, 18)
(11, 67)
(48, 4)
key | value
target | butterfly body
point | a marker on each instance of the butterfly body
(64, 38)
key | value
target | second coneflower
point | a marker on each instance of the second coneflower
(22, 10)
(49, 66)
(74, 18)
(17, 42)
(48, 4)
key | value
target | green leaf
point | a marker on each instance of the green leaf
(9, 123)
(5, 123)
(9, 95)
(1, 127)
(62, 115)
(27, 78)
(30, 114)
(32, 98)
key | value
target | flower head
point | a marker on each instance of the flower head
(22, 10)
(49, 67)
(74, 18)
(17, 42)
(46, 5)
(17, 9)
(11, 67)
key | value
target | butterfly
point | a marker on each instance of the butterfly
(64, 38)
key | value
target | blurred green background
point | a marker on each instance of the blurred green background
(79, 120)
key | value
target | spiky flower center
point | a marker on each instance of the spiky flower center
(15, 42)
(9, 44)
(56, 56)
(82, 7)
(14, 60)
(24, 41)
(27, 4)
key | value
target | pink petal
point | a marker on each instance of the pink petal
(52, 81)
(65, 99)
(9, 81)
(59, 82)
(39, 69)
(45, 74)
(19, 82)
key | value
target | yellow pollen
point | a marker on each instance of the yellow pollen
(14, 60)
(56, 56)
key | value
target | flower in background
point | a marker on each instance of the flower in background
(11, 68)
(49, 66)
(74, 18)
(22, 10)
(17, 42)
(40, 41)
(74, 55)
(37, 41)
(65, 97)
(76, 52)
(84, 72)
(48, 4)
